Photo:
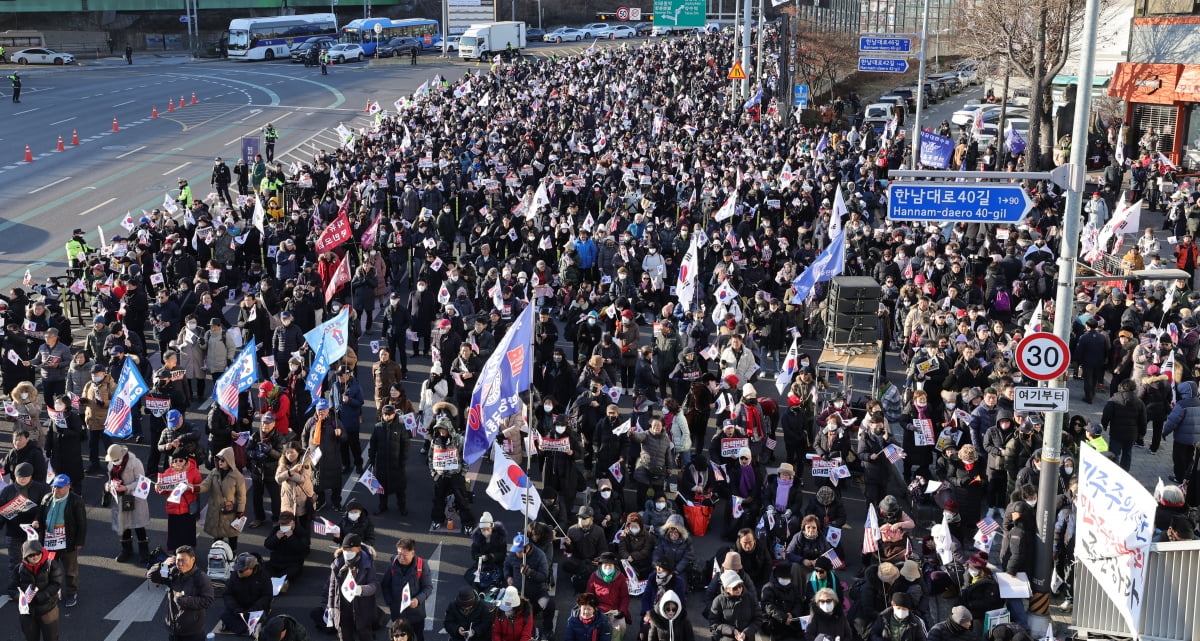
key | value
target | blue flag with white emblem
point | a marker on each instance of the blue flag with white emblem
(334, 334)
(1016, 144)
(497, 390)
(130, 389)
(830, 263)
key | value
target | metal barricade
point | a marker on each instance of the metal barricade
(1170, 612)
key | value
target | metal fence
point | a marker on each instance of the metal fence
(1171, 611)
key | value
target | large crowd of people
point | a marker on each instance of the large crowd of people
(577, 185)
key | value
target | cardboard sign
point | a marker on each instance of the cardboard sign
(445, 459)
(730, 446)
(555, 444)
(923, 432)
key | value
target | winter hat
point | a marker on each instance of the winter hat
(888, 573)
(731, 380)
(979, 560)
(748, 391)
(910, 570)
(729, 578)
(961, 615)
(509, 599)
(733, 561)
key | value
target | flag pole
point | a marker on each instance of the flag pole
(528, 463)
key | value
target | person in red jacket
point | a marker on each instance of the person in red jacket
(611, 588)
(1187, 255)
(181, 519)
(514, 618)
(279, 401)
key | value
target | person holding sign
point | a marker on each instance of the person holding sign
(62, 525)
(872, 444)
(446, 466)
(178, 485)
(562, 466)
(52, 360)
(18, 507)
(39, 579)
(918, 435)
(320, 437)
(350, 597)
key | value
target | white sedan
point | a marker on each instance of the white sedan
(41, 57)
(617, 31)
(452, 43)
(343, 52)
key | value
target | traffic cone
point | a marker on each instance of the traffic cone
(115, 127)
(170, 105)
(154, 111)
(74, 136)
(28, 154)
(367, 109)
(193, 97)
(60, 144)
(182, 102)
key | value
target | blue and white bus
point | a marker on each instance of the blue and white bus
(362, 32)
(271, 38)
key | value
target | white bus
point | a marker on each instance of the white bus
(271, 38)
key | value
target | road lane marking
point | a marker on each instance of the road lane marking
(130, 102)
(50, 185)
(171, 171)
(84, 213)
(62, 121)
(26, 111)
(132, 151)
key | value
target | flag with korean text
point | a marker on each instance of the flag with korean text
(341, 276)
(496, 396)
(511, 487)
(130, 389)
(336, 232)
(238, 377)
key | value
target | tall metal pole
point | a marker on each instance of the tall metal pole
(749, 8)
(1063, 315)
(445, 26)
(733, 87)
(758, 63)
(916, 128)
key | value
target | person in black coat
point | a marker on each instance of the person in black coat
(248, 590)
(422, 305)
(1124, 417)
(289, 546)
(828, 619)
(39, 570)
(388, 456)
(556, 379)
(468, 618)
(396, 321)
(1020, 536)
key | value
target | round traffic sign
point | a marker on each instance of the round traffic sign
(622, 13)
(1043, 356)
(378, 28)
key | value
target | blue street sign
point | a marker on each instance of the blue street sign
(875, 44)
(883, 65)
(800, 96)
(955, 202)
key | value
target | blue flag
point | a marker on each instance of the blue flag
(830, 263)
(335, 333)
(823, 143)
(238, 377)
(1016, 144)
(936, 150)
(754, 100)
(131, 387)
(497, 392)
(317, 373)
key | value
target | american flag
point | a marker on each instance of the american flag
(130, 388)
(239, 377)
(988, 526)
(833, 557)
(893, 453)
(871, 533)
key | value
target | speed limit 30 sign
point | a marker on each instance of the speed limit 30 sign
(1043, 356)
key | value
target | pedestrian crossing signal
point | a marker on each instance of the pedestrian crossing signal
(737, 73)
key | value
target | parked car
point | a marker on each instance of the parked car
(644, 28)
(987, 135)
(535, 35)
(302, 50)
(617, 31)
(953, 82)
(877, 115)
(38, 56)
(969, 72)
(909, 94)
(399, 46)
(452, 43)
(564, 34)
(343, 52)
(895, 100)
(591, 30)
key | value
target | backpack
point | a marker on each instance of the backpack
(220, 561)
(1002, 302)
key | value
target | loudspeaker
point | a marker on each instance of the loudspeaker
(850, 312)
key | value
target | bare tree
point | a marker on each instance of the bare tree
(824, 54)
(1034, 39)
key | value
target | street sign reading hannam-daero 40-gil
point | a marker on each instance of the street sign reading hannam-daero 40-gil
(679, 13)
(883, 65)
(954, 202)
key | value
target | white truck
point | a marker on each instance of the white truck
(481, 41)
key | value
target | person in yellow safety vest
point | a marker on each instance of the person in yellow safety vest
(1094, 439)
(2, 54)
(77, 249)
(185, 194)
(271, 185)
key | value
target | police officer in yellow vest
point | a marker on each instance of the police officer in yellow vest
(77, 249)
(1095, 439)
(185, 194)
(270, 135)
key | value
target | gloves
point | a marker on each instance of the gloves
(357, 590)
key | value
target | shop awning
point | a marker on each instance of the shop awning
(1153, 83)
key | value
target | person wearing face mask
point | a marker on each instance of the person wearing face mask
(980, 591)
(422, 306)
(828, 618)
(783, 604)
(387, 455)
(897, 623)
(227, 498)
(583, 543)
(556, 378)
(357, 522)
(587, 336)
(734, 615)
(610, 586)
(873, 444)
(181, 513)
(608, 506)
(396, 323)
(95, 399)
(918, 457)
(489, 546)
(468, 618)
(1017, 551)
(191, 357)
(354, 619)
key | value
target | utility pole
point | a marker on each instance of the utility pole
(445, 26)
(749, 8)
(758, 63)
(1064, 314)
(915, 144)
(733, 86)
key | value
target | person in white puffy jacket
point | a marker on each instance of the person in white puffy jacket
(433, 391)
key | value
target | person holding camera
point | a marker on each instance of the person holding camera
(189, 596)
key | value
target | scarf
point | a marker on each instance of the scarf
(316, 434)
(748, 484)
(55, 516)
(781, 494)
(754, 424)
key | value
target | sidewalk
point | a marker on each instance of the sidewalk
(142, 58)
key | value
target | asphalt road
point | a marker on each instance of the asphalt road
(111, 173)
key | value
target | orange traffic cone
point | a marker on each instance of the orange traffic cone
(60, 144)
(115, 127)
(193, 97)
(367, 109)
(154, 111)
(28, 154)
(74, 136)
(170, 105)
(182, 102)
